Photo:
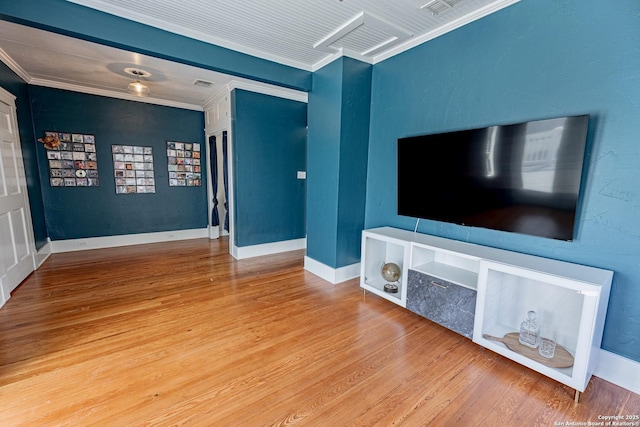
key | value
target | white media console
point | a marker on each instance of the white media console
(485, 293)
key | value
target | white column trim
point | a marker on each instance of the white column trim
(330, 274)
(243, 252)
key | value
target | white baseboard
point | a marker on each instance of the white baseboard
(214, 231)
(3, 297)
(243, 252)
(42, 254)
(619, 370)
(71, 245)
(330, 274)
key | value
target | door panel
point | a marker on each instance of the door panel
(16, 236)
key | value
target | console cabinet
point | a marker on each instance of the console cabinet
(485, 293)
(450, 305)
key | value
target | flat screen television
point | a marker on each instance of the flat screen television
(522, 178)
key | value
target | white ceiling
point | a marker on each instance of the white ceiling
(305, 34)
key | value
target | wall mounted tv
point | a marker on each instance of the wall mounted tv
(522, 178)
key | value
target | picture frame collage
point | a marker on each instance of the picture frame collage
(184, 164)
(74, 162)
(133, 169)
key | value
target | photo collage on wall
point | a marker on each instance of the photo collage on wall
(185, 169)
(73, 163)
(133, 169)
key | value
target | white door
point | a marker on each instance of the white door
(17, 245)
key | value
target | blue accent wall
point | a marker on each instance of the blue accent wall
(356, 103)
(14, 84)
(81, 212)
(323, 163)
(269, 137)
(337, 161)
(532, 60)
(71, 19)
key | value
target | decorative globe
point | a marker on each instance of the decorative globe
(390, 272)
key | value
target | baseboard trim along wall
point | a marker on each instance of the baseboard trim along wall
(243, 252)
(43, 253)
(330, 274)
(71, 245)
(618, 370)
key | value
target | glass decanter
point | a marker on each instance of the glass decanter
(529, 331)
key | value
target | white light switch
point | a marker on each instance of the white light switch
(302, 175)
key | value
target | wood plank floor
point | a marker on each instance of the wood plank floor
(181, 333)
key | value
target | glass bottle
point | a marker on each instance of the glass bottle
(529, 331)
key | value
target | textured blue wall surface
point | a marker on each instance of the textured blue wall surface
(356, 103)
(338, 142)
(73, 212)
(532, 60)
(323, 163)
(269, 138)
(67, 18)
(14, 84)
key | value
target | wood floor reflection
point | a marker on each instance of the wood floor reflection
(181, 333)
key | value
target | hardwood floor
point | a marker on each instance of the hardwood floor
(181, 333)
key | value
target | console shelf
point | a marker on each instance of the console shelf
(448, 279)
(456, 275)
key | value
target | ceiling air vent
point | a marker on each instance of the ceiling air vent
(454, 3)
(202, 83)
(437, 7)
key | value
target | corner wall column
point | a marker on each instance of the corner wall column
(338, 144)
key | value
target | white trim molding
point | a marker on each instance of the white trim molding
(72, 245)
(114, 94)
(330, 274)
(214, 232)
(43, 253)
(265, 89)
(618, 370)
(7, 97)
(14, 66)
(244, 252)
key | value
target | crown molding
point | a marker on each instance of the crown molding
(213, 99)
(328, 60)
(14, 66)
(114, 94)
(453, 25)
(355, 55)
(262, 88)
(280, 92)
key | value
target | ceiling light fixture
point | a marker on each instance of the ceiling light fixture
(138, 88)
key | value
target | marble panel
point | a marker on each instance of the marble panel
(445, 303)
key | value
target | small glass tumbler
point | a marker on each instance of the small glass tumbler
(547, 347)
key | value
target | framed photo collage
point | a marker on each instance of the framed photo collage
(183, 160)
(133, 169)
(73, 163)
